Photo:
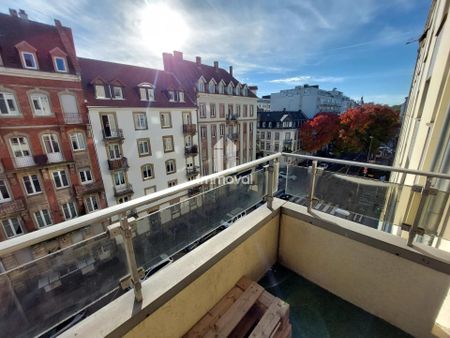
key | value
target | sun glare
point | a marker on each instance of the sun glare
(162, 28)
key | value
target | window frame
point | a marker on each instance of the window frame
(43, 105)
(46, 219)
(136, 120)
(32, 181)
(174, 166)
(60, 178)
(19, 222)
(24, 62)
(4, 185)
(84, 171)
(96, 92)
(141, 141)
(143, 167)
(55, 63)
(77, 139)
(91, 198)
(53, 142)
(168, 137)
(69, 210)
(161, 118)
(172, 183)
(117, 97)
(6, 96)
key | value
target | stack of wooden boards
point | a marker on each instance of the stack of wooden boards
(247, 310)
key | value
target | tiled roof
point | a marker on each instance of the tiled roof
(44, 38)
(189, 72)
(278, 116)
(130, 77)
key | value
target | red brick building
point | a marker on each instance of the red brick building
(48, 169)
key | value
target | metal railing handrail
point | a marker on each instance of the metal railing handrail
(369, 165)
(35, 237)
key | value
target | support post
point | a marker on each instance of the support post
(270, 171)
(423, 198)
(312, 187)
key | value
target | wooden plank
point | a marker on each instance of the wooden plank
(285, 332)
(237, 311)
(266, 299)
(268, 323)
(207, 322)
(247, 323)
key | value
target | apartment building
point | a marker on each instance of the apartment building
(279, 131)
(144, 128)
(424, 139)
(263, 103)
(310, 99)
(226, 113)
(48, 170)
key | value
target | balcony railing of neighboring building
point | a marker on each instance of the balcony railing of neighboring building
(89, 188)
(97, 264)
(26, 161)
(124, 189)
(193, 171)
(113, 134)
(121, 163)
(55, 157)
(191, 150)
(73, 118)
(189, 128)
(231, 118)
(10, 207)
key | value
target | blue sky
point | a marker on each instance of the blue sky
(358, 46)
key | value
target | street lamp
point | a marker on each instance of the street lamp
(370, 148)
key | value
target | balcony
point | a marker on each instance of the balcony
(73, 118)
(336, 274)
(189, 129)
(193, 171)
(191, 151)
(55, 157)
(12, 207)
(117, 164)
(231, 118)
(124, 189)
(88, 188)
(113, 135)
(25, 161)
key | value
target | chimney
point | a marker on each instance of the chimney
(65, 34)
(23, 15)
(216, 65)
(13, 13)
(231, 70)
(178, 56)
(168, 62)
(198, 60)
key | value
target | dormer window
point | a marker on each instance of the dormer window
(245, 91)
(221, 88)
(100, 92)
(176, 96)
(230, 89)
(201, 84)
(117, 92)
(212, 87)
(60, 64)
(181, 96)
(238, 90)
(29, 60)
(171, 96)
(146, 92)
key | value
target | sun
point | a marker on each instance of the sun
(162, 28)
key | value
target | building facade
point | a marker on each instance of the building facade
(144, 128)
(48, 171)
(311, 100)
(226, 113)
(424, 138)
(264, 103)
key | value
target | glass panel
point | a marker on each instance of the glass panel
(297, 182)
(183, 226)
(42, 293)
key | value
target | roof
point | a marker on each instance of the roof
(44, 38)
(189, 72)
(129, 77)
(280, 116)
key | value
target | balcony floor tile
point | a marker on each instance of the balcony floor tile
(315, 312)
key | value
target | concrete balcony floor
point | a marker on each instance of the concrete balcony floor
(315, 312)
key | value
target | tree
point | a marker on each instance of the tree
(319, 131)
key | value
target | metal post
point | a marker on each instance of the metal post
(370, 148)
(423, 198)
(270, 179)
(312, 185)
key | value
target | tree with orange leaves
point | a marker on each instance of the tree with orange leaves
(319, 131)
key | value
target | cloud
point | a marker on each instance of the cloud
(301, 79)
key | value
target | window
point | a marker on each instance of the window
(85, 175)
(267, 146)
(202, 110)
(123, 199)
(147, 171)
(212, 110)
(69, 210)
(170, 166)
(201, 86)
(51, 144)
(60, 64)
(213, 131)
(60, 179)
(91, 203)
(221, 88)
(12, 227)
(100, 92)
(117, 92)
(238, 90)
(32, 185)
(168, 144)
(212, 88)
(8, 105)
(230, 89)
(221, 110)
(230, 109)
(20, 147)
(166, 120)
(172, 183)
(4, 193)
(238, 110)
(276, 147)
(263, 135)
(287, 136)
(140, 121)
(251, 110)
(149, 190)
(171, 95)
(40, 104)
(29, 60)
(222, 129)
(144, 147)
(181, 96)
(245, 110)
(69, 103)
(78, 142)
(119, 178)
(203, 132)
(245, 91)
(42, 218)
(147, 93)
(277, 135)
(269, 135)
(114, 151)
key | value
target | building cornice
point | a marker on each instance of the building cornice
(38, 74)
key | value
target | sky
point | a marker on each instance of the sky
(364, 48)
